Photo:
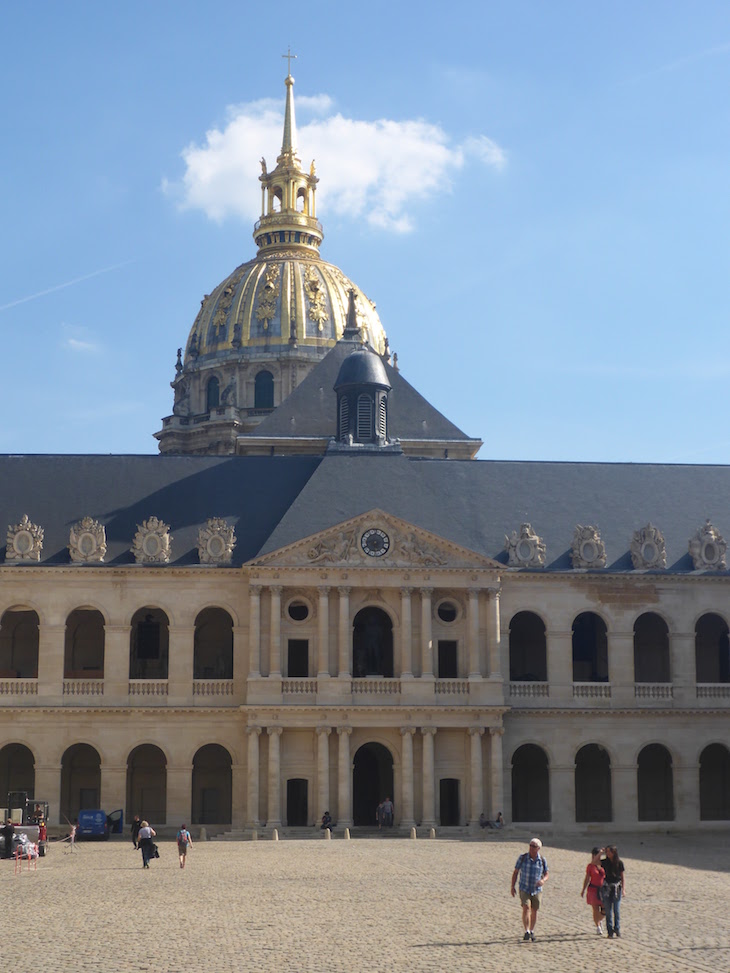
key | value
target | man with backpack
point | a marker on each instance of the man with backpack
(183, 842)
(532, 870)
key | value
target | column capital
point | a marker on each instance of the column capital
(475, 592)
(275, 730)
(324, 589)
(254, 729)
(344, 589)
(476, 731)
(407, 731)
(255, 590)
(276, 589)
(344, 730)
(496, 731)
(324, 730)
(406, 592)
(426, 592)
(494, 592)
(428, 731)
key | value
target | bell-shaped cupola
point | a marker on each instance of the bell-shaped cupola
(362, 389)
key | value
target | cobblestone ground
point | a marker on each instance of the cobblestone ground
(362, 905)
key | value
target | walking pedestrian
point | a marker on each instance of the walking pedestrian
(145, 843)
(613, 890)
(532, 870)
(136, 825)
(184, 841)
(593, 881)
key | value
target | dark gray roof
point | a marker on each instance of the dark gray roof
(362, 367)
(274, 501)
(311, 409)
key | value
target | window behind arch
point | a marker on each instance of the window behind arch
(264, 391)
(212, 394)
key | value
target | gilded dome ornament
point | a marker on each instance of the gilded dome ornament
(707, 549)
(152, 542)
(87, 541)
(24, 541)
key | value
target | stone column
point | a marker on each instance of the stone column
(426, 634)
(344, 778)
(323, 770)
(624, 794)
(477, 776)
(475, 669)
(181, 650)
(113, 788)
(254, 631)
(560, 667)
(494, 635)
(50, 659)
(496, 774)
(240, 667)
(275, 636)
(683, 667)
(406, 818)
(406, 650)
(273, 817)
(238, 789)
(323, 648)
(429, 796)
(686, 793)
(562, 795)
(254, 732)
(48, 788)
(179, 794)
(344, 639)
(621, 667)
(116, 662)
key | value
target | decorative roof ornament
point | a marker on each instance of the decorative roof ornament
(587, 549)
(152, 542)
(525, 549)
(24, 541)
(87, 541)
(647, 548)
(707, 549)
(216, 542)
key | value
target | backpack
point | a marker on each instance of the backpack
(182, 838)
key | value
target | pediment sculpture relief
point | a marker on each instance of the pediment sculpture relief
(525, 548)
(707, 549)
(360, 545)
(24, 541)
(87, 541)
(216, 542)
(647, 548)
(587, 549)
(152, 541)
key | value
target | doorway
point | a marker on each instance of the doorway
(449, 802)
(297, 810)
(372, 782)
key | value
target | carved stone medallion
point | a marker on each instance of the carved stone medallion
(216, 542)
(526, 549)
(707, 549)
(152, 542)
(647, 548)
(587, 549)
(24, 541)
(87, 541)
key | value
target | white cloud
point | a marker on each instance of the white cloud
(375, 170)
(75, 340)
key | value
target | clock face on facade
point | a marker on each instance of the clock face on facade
(375, 542)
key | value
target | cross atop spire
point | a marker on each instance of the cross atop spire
(289, 58)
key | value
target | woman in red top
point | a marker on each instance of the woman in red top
(593, 881)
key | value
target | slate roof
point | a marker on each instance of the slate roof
(311, 409)
(276, 500)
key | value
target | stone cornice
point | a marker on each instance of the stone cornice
(622, 713)
(610, 577)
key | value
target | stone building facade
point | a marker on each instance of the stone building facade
(319, 598)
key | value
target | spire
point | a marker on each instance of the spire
(352, 330)
(288, 213)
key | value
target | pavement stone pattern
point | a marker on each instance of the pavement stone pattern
(371, 905)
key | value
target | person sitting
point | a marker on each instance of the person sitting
(326, 824)
(499, 822)
(483, 823)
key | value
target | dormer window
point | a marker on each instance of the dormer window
(364, 418)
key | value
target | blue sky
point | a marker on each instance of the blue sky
(536, 195)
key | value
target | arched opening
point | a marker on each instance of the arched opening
(83, 652)
(712, 649)
(530, 784)
(276, 199)
(17, 771)
(372, 644)
(715, 783)
(212, 797)
(655, 784)
(212, 394)
(651, 649)
(593, 784)
(527, 649)
(19, 644)
(302, 206)
(590, 649)
(80, 781)
(149, 644)
(449, 804)
(372, 782)
(213, 645)
(297, 805)
(147, 784)
(264, 391)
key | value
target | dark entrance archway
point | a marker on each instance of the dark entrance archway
(372, 782)
(372, 644)
(80, 780)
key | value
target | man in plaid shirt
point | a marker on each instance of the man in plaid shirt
(533, 872)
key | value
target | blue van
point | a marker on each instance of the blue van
(92, 824)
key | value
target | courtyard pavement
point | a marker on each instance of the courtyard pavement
(370, 905)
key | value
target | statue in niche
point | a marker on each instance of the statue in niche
(182, 398)
(228, 395)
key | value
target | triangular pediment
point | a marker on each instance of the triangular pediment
(376, 539)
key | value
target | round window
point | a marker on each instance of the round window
(298, 611)
(446, 611)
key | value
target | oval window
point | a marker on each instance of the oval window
(446, 611)
(298, 611)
